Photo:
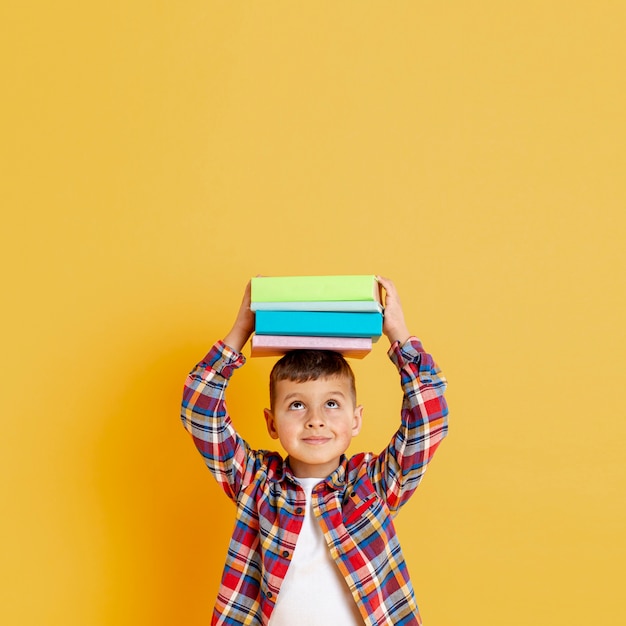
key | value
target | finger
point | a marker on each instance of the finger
(385, 282)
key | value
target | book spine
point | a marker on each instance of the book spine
(319, 324)
(277, 345)
(363, 306)
(314, 288)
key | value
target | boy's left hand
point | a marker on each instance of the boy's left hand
(394, 326)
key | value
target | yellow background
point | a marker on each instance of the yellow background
(155, 155)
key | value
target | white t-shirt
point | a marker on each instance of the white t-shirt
(314, 593)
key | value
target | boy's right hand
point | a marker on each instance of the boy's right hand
(244, 324)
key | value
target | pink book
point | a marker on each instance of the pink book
(277, 345)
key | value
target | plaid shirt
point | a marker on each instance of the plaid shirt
(354, 505)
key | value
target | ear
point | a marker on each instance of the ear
(270, 422)
(358, 420)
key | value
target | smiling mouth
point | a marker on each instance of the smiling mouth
(316, 441)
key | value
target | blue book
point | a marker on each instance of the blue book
(319, 323)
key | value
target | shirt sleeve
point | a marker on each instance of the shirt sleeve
(205, 417)
(399, 469)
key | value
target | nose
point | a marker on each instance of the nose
(315, 420)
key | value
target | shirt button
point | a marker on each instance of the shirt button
(285, 553)
(269, 594)
(299, 510)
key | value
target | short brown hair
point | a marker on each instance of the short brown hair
(303, 365)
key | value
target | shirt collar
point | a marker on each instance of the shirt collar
(336, 480)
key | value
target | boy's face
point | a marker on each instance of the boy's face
(315, 421)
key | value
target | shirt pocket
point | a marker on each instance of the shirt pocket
(357, 510)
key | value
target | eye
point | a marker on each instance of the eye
(296, 405)
(332, 404)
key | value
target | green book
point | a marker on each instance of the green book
(355, 288)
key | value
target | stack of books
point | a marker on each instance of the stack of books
(340, 313)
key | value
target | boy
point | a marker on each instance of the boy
(314, 542)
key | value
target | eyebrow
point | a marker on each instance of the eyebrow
(295, 394)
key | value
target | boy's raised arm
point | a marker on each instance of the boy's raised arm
(243, 326)
(398, 470)
(204, 414)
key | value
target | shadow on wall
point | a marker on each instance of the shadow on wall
(163, 540)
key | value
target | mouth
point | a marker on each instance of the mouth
(316, 441)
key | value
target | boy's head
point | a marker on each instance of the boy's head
(313, 409)
(302, 365)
